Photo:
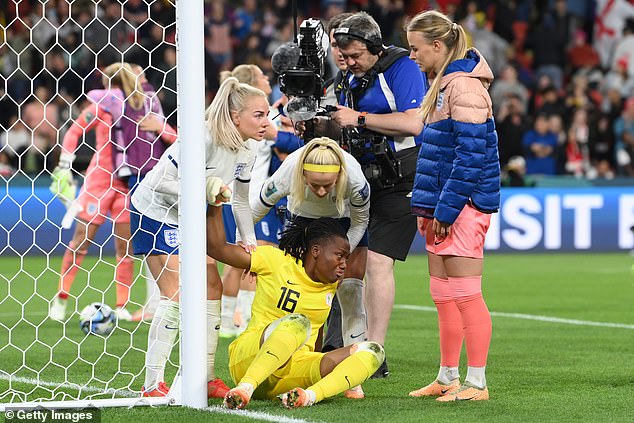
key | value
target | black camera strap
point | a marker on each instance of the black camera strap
(387, 59)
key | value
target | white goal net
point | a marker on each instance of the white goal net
(52, 54)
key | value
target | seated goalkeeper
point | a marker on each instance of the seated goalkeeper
(276, 355)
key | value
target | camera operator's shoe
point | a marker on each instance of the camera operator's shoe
(436, 389)
(467, 392)
(382, 371)
(296, 398)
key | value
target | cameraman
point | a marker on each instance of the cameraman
(382, 92)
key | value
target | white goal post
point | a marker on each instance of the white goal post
(51, 364)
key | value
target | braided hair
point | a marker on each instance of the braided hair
(302, 234)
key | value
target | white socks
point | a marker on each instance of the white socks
(446, 375)
(244, 303)
(228, 305)
(476, 377)
(161, 338)
(353, 319)
(152, 293)
(213, 329)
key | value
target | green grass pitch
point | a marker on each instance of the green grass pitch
(549, 370)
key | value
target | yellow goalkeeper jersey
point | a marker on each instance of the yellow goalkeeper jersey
(283, 287)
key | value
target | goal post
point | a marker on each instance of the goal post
(52, 363)
(191, 103)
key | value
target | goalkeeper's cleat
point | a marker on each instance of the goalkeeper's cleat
(141, 315)
(57, 309)
(122, 314)
(236, 399)
(161, 390)
(354, 393)
(216, 388)
(296, 398)
(467, 392)
(436, 389)
(382, 371)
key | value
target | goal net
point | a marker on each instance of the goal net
(52, 54)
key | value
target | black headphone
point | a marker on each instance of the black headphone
(374, 43)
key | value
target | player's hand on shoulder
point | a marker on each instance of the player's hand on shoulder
(249, 248)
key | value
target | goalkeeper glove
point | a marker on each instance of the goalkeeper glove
(217, 192)
(63, 185)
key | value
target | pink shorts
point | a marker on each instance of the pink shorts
(466, 238)
(99, 200)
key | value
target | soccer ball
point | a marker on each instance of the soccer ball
(97, 318)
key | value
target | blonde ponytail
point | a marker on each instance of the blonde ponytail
(434, 25)
(320, 151)
(247, 74)
(123, 76)
(231, 97)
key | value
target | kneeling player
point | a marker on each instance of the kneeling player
(276, 355)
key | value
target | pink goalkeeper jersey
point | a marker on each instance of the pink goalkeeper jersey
(99, 172)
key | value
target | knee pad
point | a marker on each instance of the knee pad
(295, 324)
(374, 348)
(440, 289)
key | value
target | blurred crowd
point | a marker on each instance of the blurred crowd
(563, 96)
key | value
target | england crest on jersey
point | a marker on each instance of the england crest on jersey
(441, 100)
(239, 168)
(171, 237)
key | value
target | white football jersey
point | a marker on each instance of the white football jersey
(357, 196)
(156, 196)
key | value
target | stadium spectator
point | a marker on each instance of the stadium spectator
(582, 54)
(624, 139)
(624, 49)
(381, 95)
(578, 145)
(506, 85)
(237, 113)
(490, 44)
(16, 143)
(511, 123)
(548, 45)
(456, 189)
(540, 146)
(218, 35)
(276, 355)
(41, 115)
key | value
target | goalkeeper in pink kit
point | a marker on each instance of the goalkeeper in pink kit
(102, 192)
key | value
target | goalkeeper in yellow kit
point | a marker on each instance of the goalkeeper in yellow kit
(275, 356)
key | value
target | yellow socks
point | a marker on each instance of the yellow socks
(353, 371)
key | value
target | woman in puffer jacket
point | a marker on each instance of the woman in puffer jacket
(456, 189)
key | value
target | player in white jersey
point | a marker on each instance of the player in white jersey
(237, 113)
(322, 180)
(237, 294)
